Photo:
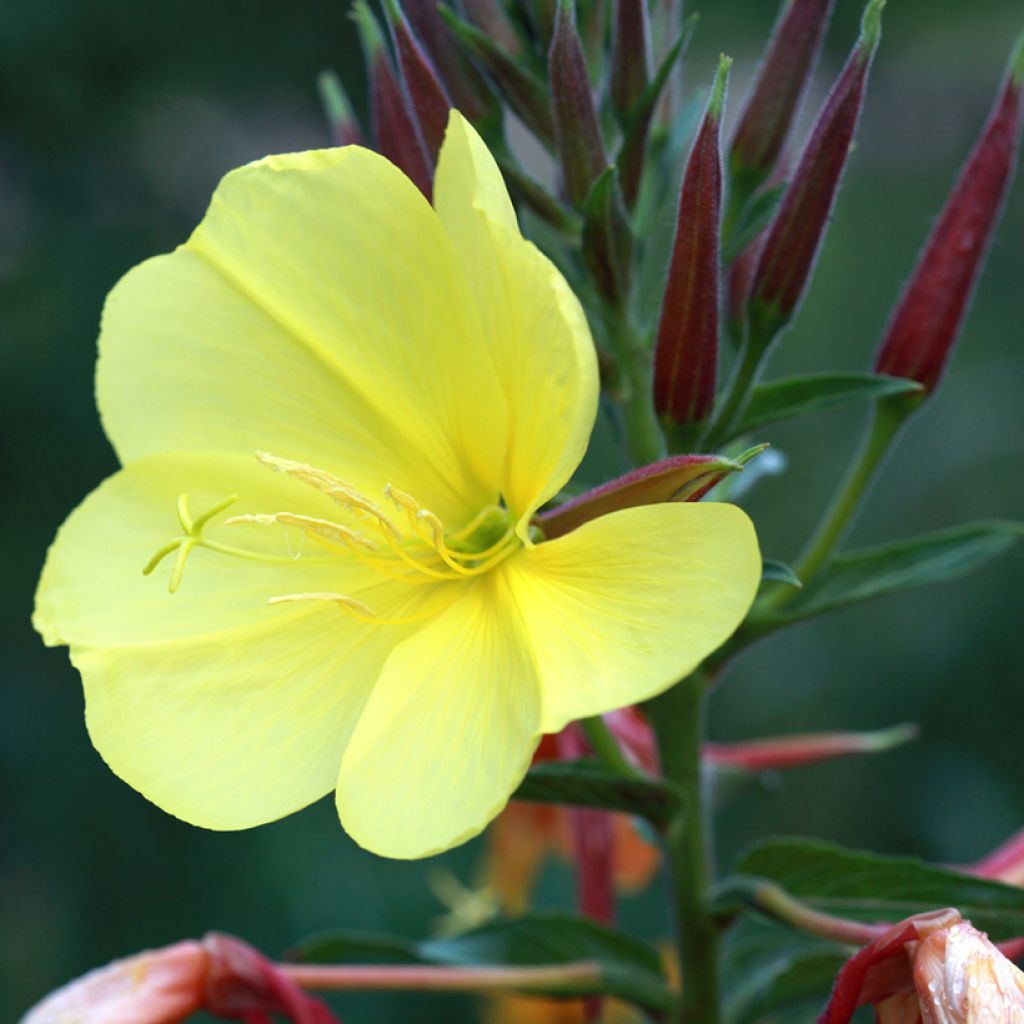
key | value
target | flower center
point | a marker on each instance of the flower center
(410, 545)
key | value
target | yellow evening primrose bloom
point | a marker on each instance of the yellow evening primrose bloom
(337, 409)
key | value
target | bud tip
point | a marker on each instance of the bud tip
(717, 101)
(871, 26)
(1017, 63)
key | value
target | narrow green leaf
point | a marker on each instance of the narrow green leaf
(585, 783)
(889, 568)
(341, 946)
(871, 887)
(779, 572)
(797, 396)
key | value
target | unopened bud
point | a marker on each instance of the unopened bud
(344, 125)
(686, 356)
(925, 325)
(678, 478)
(427, 95)
(796, 233)
(577, 131)
(469, 93)
(396, 133)
(492, 19)
(631, 56)
(778, 89)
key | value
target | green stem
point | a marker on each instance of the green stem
(678, 720)
(885, 423)
(735, 398)
(607, 748)
(643, 432)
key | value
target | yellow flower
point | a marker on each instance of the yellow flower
(376, 616)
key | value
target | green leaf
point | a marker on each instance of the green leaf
(754, 219)
(872, 887)
(629, 968)
(796, 396)
(889, 568)
(771, 969)
(585, 783)
(779, 572)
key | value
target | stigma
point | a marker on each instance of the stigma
(398, 537)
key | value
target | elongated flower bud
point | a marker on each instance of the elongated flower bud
(778, 89)
(491, 18)
(686, 357)
(396, 132)
(796, 233)
(926, 323)
(429, 99)
(631, 56)
(462, 82)
(344, 125)
(577, 131)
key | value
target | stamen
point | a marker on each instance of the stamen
(323, 528)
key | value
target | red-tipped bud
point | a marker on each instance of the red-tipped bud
(523, 90)
(926, 323)
(429, 100)
(796, 233)
(780, 752)
(778, 89)
(463, 83)
(395, 130)
(678, 478)
(686, 356)
(631, 56)
(344, 125)
(577, 131)
(1005, 863)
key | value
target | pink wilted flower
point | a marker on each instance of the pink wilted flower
(220, 974)
(932, 968)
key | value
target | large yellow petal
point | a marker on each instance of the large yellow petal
(533, 323)
(447, 733)
(622, 607)
(319, 312)
(92, 590)
(221, 709)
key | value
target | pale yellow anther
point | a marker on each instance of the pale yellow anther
(323, 528)
(343, 600)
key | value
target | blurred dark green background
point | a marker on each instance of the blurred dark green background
(116, 121)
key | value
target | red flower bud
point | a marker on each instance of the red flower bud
(926, 323)
(795, 235)
(686, 356)
(429, 99)
(577, 131)
(631, 56)
(778, 89)
(679, 478)
(395, 130)
(462, 82)
(344, 125)
(491, 17)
